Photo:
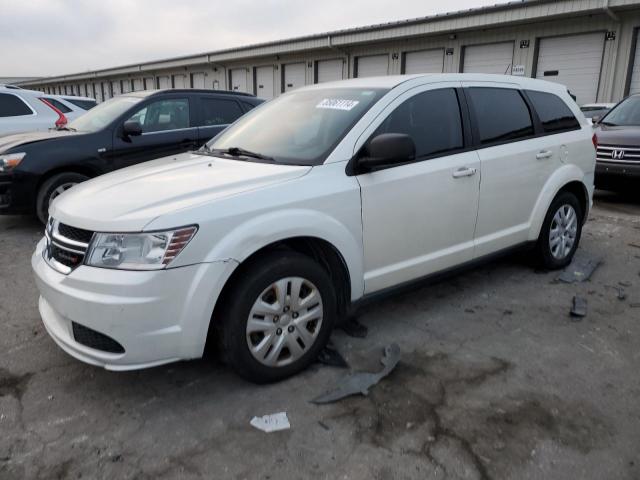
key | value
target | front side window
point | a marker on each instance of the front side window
(501, 114)
(554, 114)
(301, 127)
(432, 119)
(12, 106)
(625, 114)
(217, 111)
(171, 114)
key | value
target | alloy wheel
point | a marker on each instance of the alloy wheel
(563, 232)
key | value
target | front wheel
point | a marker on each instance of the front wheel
(277, 317)
(561, 232)
(54, 187)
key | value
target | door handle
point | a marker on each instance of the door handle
(464, 172)
(544, 154)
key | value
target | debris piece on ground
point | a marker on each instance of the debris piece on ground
(360, 383)
(634, 305)
(579, 308)
(354, 328)
(323, 425)
(330, 356)
(271, 423)
(621, 294)
(580, 269)
(625, 284)
(634, 245)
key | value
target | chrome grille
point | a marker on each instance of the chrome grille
(66, 246)
(618, 154)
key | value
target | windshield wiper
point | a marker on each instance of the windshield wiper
(240, 152)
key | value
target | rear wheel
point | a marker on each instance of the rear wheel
(277, 317)
(54, 187)
(561, 232)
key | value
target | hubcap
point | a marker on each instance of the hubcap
(60, 190)
(564, 228)
(284, 321)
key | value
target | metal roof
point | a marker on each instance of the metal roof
(461, 20)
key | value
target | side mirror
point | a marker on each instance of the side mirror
(596, 119)
(386, 150)
(132, 129)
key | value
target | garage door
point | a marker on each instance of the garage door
(138, 84)
(492, 58)
(98, 89)
(106, 91)
(424, 61)
(264, 82)
(372, 66)
(180, 81)
(198, 80)
(294, 76)
(126, 86)
(149, 83)
(164, 82)
(238, 79)
(634, 86)
(574, 61)
(329, 70)
(116, 88)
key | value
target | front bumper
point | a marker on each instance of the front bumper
(157, 316)
(615, 175)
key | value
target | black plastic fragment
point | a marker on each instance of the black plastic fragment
(580, 269)
(330, 356)
(579, 308)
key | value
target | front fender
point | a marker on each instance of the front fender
(561, 177)
(268, 228)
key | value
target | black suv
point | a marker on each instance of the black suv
(36, 167)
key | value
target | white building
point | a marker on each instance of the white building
(588, 45)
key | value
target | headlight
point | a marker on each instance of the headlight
(138, 251)
(10, 161)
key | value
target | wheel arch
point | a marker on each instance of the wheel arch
(568, 178)
(80, 169)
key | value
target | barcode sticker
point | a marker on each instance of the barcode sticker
(337, 104)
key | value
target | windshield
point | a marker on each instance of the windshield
(626, 114)
(102, 115)
(299, 128)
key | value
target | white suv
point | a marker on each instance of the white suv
(30, 111)
(311, 203)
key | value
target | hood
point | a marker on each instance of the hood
(128, 199)
(17, 139)
(618, 136)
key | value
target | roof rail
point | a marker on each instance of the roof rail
(204, 90)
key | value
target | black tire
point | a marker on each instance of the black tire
(246, 288)
(48, 188)
(544, 255)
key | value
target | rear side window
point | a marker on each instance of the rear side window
(83, 104)
(501, 114)
(58, 104)
(217, 111)
(553, 112)
(12, 106)
(431, 119)
(171, 114)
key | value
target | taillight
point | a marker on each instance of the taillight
(594, 139)
(62, 120)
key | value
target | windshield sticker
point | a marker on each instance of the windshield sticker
(337, 104)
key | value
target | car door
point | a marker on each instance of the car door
(167, 129)
(515, 163)
(419, 218)
(215, 115)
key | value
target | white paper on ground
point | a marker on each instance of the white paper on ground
(271, 423)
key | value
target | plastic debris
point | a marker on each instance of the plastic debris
(331, 356)
(360, 383)
(354, 328)
(580, 270)
(579, 308)
(271, 423)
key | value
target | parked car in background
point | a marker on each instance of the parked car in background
(618, 137)
(27, 111)
(321, 199)
(595, 111)
(71, 107)
(133, 128)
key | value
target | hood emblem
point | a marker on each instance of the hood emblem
(617, 154)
